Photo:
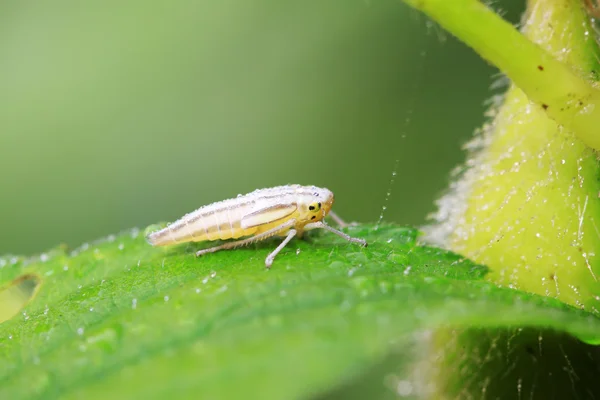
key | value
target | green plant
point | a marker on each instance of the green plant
(516, 319)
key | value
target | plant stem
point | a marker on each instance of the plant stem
(565, 94)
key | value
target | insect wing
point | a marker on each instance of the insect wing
(267, 214)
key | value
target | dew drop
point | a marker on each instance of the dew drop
(588, 109)
(222, 289)
(404, 388)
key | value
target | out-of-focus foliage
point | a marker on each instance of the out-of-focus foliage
(117, 114)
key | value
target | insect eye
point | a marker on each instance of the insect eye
(319, 205)
(311, 208)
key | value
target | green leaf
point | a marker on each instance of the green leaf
(527, 204)
(120, 319)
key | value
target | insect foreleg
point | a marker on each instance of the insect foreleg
(271, 257)
(322, 225)
(256, 238)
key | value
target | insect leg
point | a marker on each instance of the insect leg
(322, 225)
(337, 219)
(271, 257)
(256, 238)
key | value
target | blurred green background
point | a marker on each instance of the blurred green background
(118, 114)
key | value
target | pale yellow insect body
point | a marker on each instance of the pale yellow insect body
(283, 210)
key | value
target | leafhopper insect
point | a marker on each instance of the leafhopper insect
(285, 211)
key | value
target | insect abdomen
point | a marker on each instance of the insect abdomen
(213, 225)
(223, 224)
